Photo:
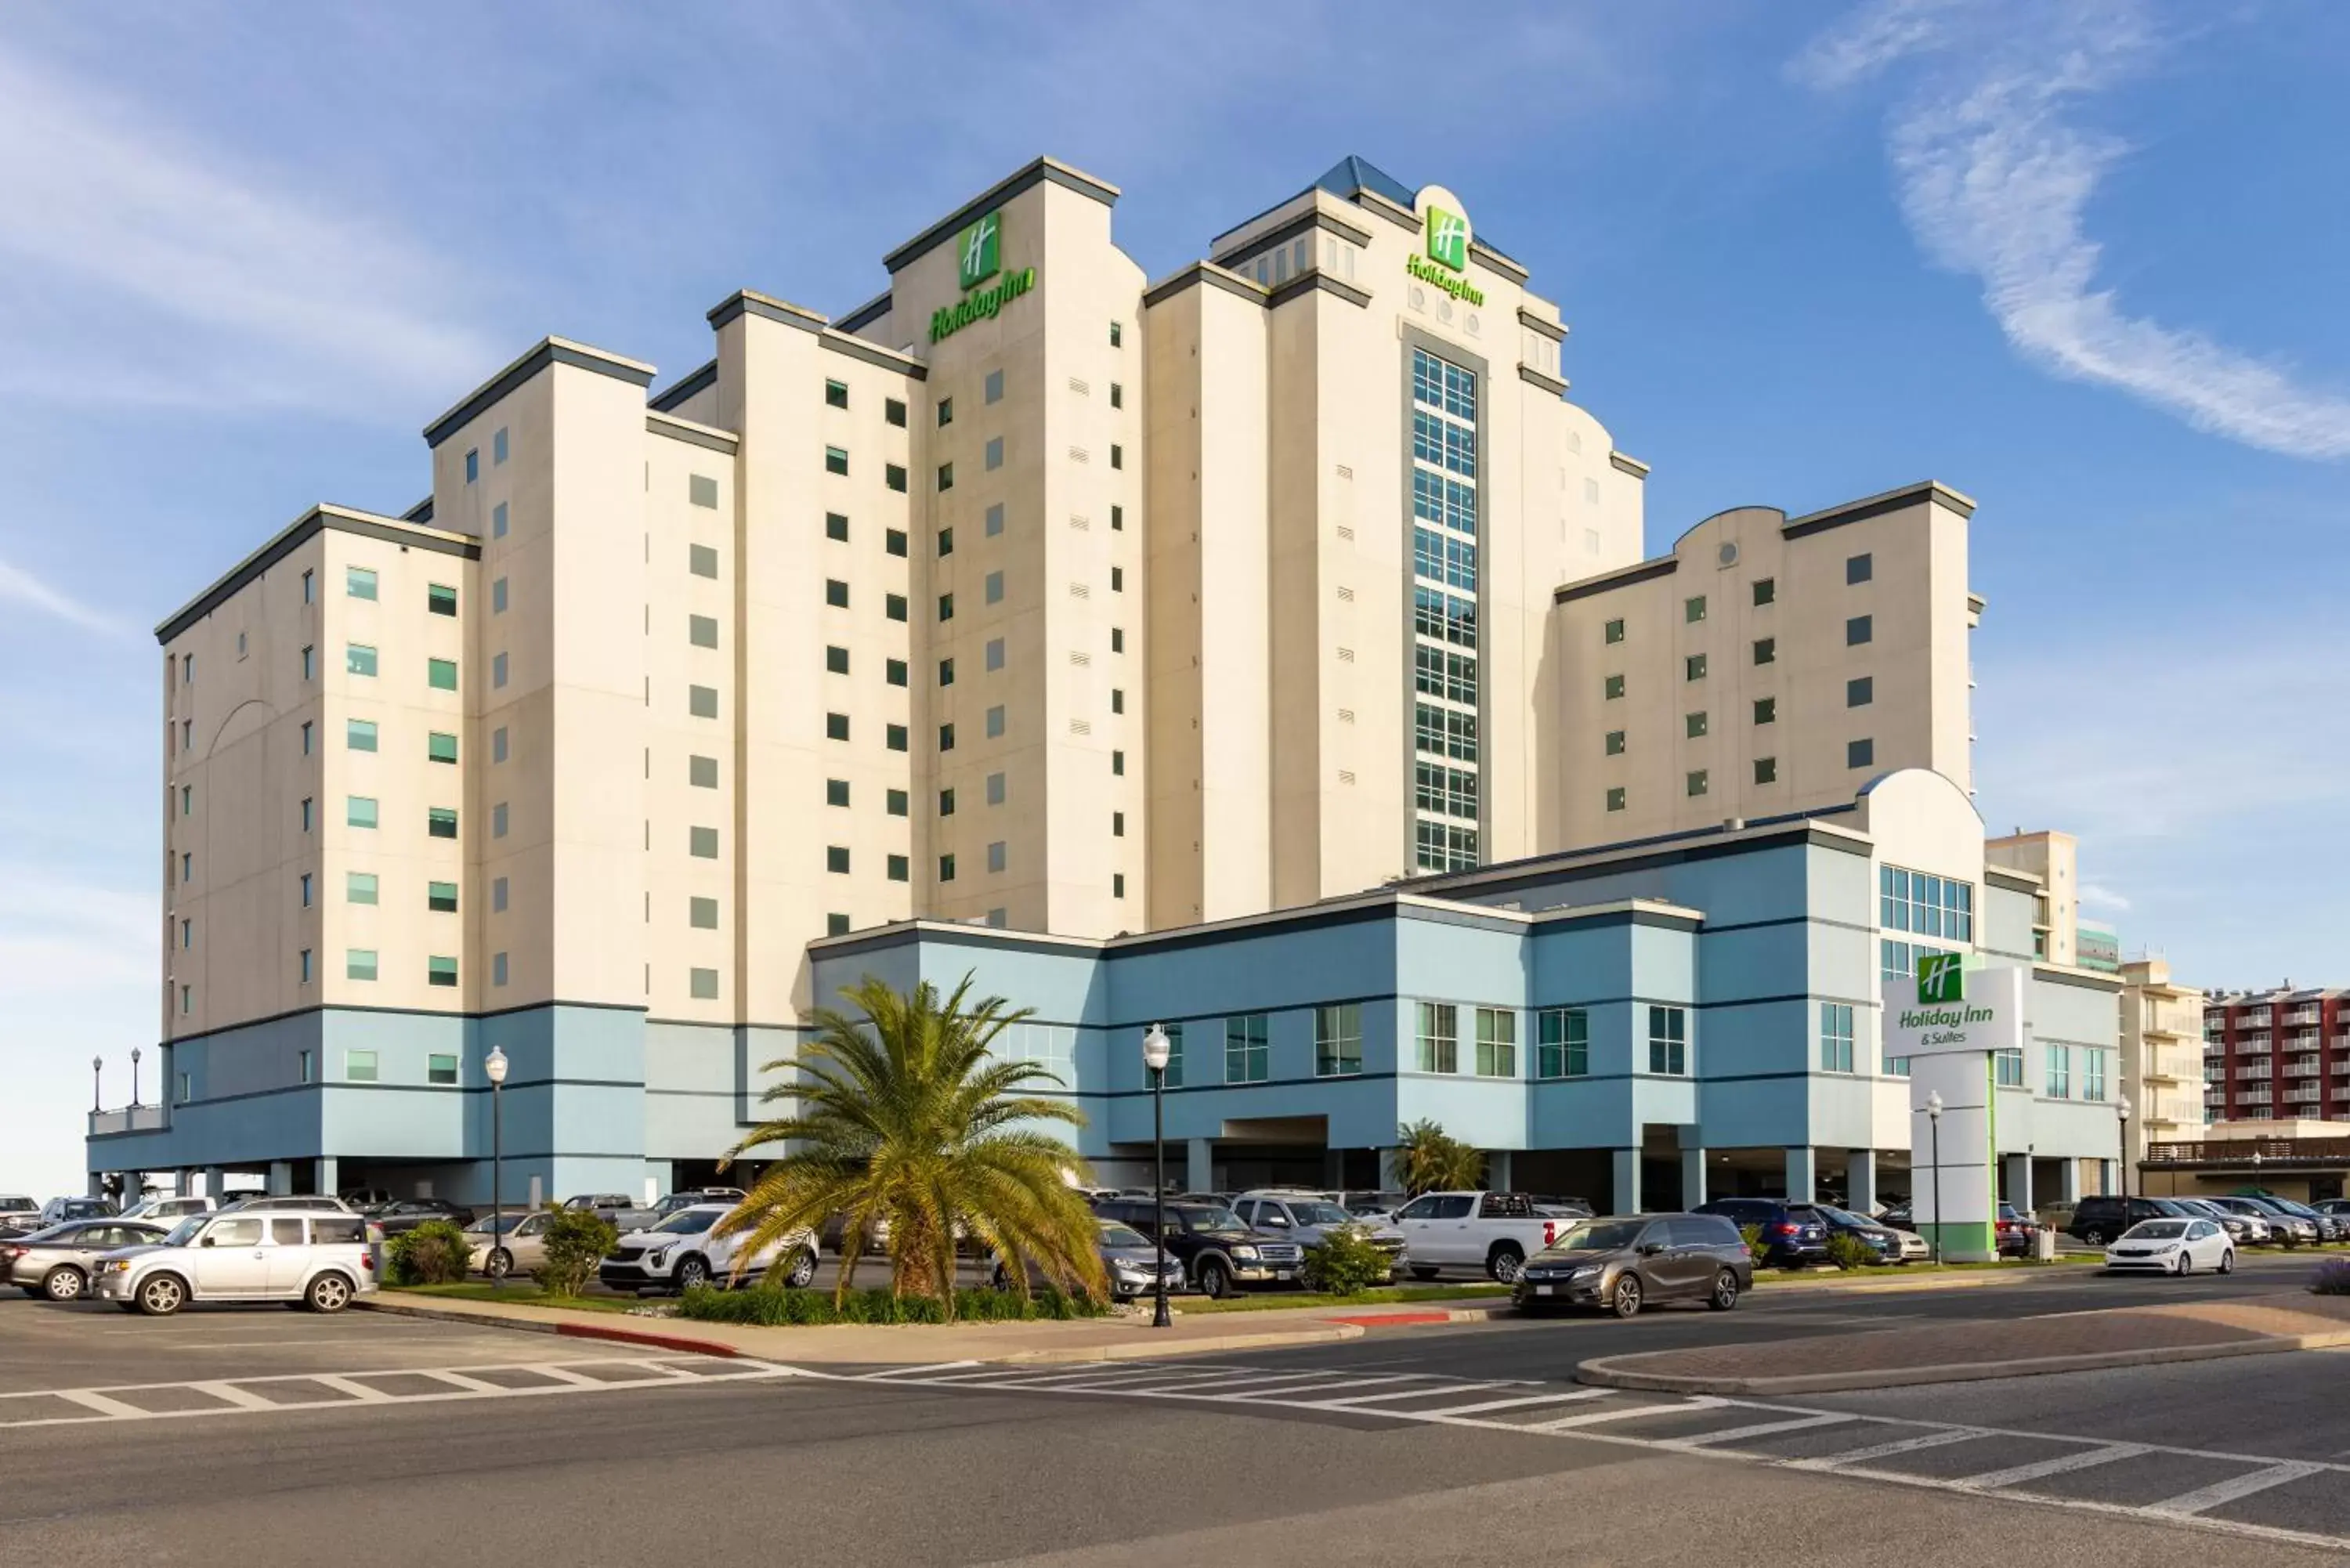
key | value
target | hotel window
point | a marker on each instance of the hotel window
(2008, 1069)
(1859, 753)
(946, 868)
(1561, 1043)
(1117, 336)
(1247, 1055)
(1117, 764)
(1858, 631)
(1766, 590)
(1766, 651)
(358, 963)
(835, 660)
(359, 659)
(1860, 692)
(701, 914)
(900, 868)
(1694, 667)
(894, 476)
(498, 671)
(497, 969)
(440, 821)
(441, 971)
(702, 984)
(360, 734)
(1116, 396)
(835, 394)
(1117, 700)
(358, 811)
(894, 736)
(1118, 640)
(360, 582)
(946, 606)
(440, 897)
(1613, 687)
(187, 1006)
(305, 890)
(946, 542)
(1118, 884)
(994, 588)
(1615, 798)
(701, 630)
(1439, 1038)
(996, 721)
(1859, 568)
(946, 737)
(701, 773)
(835, 792)
(946, 412)
(498, 597)
(1116, 455)
(997, 856)
(1614, 632)
(946, 802)
(1924, 905)
(360, 887)
(835, 526)
(1694, 609)
(894, 607)
(991, 389)
(895, 672)
(946, 476)
(440, 1067)
(499, 890)
(893, 412)
(309, 588)
(1766, 709)
(995, 789)
(498, 521)
(498, 821)
(836, 925)
(994, 520)
(994, 653)
(702, 701)
(1118, 824)
(946, 672)
(836, 461)
(440, 599)
(1497, 1043)
(701, 560)
(1696, 782)
(1695, 724)
(498, 745)
(2093, 1073)
(309, 672)
(835, 592)
(994, 453)
(441, 674)
(1836, 1037)
(1117, 579)
(186, 1080)
(498, 447)
(1766, 770)
(1669, 1041)
(1614, 743)
(2059, 1071)
(701, 843)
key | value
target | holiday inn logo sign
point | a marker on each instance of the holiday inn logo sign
(979, 257)
(1443, 261)
(1955, 1009)
(1940, 978)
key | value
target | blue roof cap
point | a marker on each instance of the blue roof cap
(1351, 174)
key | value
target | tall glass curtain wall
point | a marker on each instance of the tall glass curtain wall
(1444, 612)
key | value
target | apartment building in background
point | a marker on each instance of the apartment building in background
(2161, 1056)
(2054, 858)
(2276, 1055)
(1030, 595)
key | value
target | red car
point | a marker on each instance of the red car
(2018, 1231)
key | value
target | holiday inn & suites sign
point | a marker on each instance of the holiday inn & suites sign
(979, 259)
(1946, 1007)
(1442, 260)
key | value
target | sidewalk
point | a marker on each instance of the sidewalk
(1962, 1352)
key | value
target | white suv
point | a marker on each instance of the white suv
(253, 1253)
(682, 1252)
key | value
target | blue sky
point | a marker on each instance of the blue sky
(2081, 263)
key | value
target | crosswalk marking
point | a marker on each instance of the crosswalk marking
(1353, 1400)
(2014, 1475)
(1874, 1451)
(1759, 1429)
(1563, 1397)
(90, 1399)
(1621, 1412)
(244, 1398)
(2228, 1491)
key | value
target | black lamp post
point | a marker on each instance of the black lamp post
(1934, 1136)
(97, 1075)
(494, 1066)
(1156, 1050)
(134, 1077)
(2122, 1114)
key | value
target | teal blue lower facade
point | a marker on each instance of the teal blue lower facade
(1708, 979)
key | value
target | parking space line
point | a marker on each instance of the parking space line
(243, 1399)
(2228, 1491)
(1759, 1429)
(89, 1400)
(2085, 1459)
(1874, 1451)
(1593, 1418)
(1563, 1397)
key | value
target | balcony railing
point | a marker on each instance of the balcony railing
(2302, 1015)
(2236, 1153)
(131, 1119)
(2299, 1070)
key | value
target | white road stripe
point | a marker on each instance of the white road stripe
(1759, 1429)
(2084, 1459)
(1886, 1451)
(361, 1392)
(564, 1375)
(894, 1373)
(1594, 1417)
(90, 1400)
(1565, 1396)
(1429, 1391)
(2218, 1492)
(460, 1380)
(243, 1399)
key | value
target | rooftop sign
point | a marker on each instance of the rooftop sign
(979, 256)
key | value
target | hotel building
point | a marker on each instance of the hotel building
(1032, 596)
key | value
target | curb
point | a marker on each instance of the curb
(1146, 1351)
(561, 1328)
(1607, 1372)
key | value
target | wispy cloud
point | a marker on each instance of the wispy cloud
(2098, 895)
(84, 936)
(20, 587)
(188, 279)
(1994, 181)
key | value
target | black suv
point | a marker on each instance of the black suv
(2098, 1218)
(1793, 1234)
(1217, 1252)
(397, 1218)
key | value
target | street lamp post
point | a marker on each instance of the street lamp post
(2122, 1114)
(134, 1077)
(1156, 1050)
(97, 1077)
(494, 1067)
(1934, 1125)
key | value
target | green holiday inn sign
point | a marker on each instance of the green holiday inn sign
(979, 257)
(1446, 262)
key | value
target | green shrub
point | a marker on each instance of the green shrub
(778, 1306)
(1849, 1253)
(1756, 1247)
(1344, 1263)
(577, 1239)
(433, 1254)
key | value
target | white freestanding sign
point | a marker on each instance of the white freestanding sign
(1949, 1021)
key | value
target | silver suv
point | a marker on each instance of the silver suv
(256, 1252)
(1309, 1218)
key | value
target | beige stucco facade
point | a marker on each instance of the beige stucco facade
(2161, 1044)
(2054, 859)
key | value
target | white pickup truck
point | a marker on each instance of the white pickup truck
(1494, 1232)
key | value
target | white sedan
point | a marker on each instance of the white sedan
(2173, 1247)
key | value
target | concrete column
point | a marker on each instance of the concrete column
(327, 1177)
(1626, 1198)
(1860, 1180)
(1692, 1176)
(281, 1178)
(1200, 1172)
(98, 1186)
(1390, 1170)
(2106, 1170)
(2068, 1179)
(1802, 1176)
(1333, 1167)
(216, 1177)
(1497, 1170)
(2018, 1169)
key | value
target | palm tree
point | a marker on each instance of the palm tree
(1429, 1159)
(901, 1119)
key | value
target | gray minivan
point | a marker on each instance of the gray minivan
(1624, 1261)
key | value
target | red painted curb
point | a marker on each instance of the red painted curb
(636, 1336)
(1393, 1319)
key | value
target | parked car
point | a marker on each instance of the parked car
(683, 1251)
(398, 1219)
(57, 1262)
(2099, 1218)
(2337, 1207)
(2244, 1230)
(1218, 1252)
(1130, 1259)
(1621, 1264)
(257, 1252)
(57, 1211)
(360, 1200)
(21, 1212)
(1883, 1239)
(2329, 1229)
(306, 1203)
(834, 1230)
(1309, 1219)
(2293, 1228)
(2015, 1232)
(167, 1212)
(1493, 1232)
(1374, 1205)
(507, 1244)
(1793, 1234)
(1562, 1208)
(2169, 1246)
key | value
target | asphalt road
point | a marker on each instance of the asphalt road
(392, 1440)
